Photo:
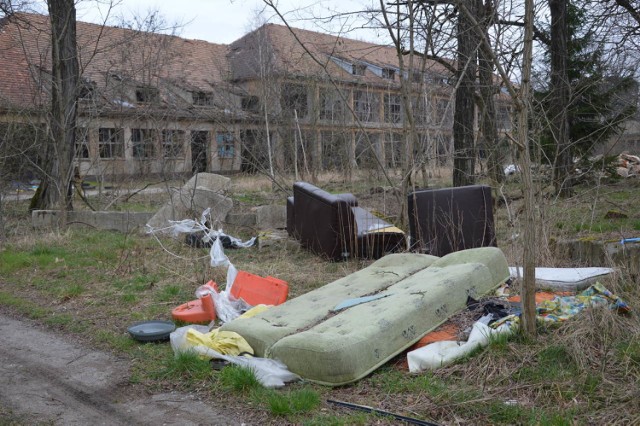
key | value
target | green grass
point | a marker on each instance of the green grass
(239, 379)
(186, 365)
(13, 261)
(286, 403)
(553, 363)
(24, 306)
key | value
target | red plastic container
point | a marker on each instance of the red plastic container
(256, 290)
(196, 311)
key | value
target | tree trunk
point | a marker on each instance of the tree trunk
(527, 292)
(55, 191)
(560, 97)
(488, 125)
(463, 132)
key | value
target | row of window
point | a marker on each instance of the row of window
(144, 143)
(367, 108)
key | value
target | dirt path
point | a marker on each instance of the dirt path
(44, 378)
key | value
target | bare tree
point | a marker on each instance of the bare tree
(55, 190)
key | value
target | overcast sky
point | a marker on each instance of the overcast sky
(222, 21)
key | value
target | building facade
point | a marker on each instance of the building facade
(153, 104)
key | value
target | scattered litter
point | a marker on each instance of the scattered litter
(151, 331)
(564, 279)
(269, 372)
(224, 342)
(511, 169)
(443, 353)
(629, 240)
(564, 307)
(368, 409)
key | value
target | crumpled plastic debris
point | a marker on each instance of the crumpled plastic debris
(443, 353)
(270, 373)
(227, 307)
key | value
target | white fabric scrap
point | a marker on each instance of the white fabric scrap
(440, 354)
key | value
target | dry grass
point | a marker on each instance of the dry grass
(94, 284)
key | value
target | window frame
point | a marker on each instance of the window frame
(114, 143)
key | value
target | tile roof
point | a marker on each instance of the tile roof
(104, 52)
(335, 54)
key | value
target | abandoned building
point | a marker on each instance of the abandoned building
(152, 103)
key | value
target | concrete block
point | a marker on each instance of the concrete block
(190, 205)
(210, 181)
(241, 219)
(271, 217)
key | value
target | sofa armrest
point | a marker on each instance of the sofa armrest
(290, 217)
(348, 198)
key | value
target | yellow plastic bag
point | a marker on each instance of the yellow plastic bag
(224, 342)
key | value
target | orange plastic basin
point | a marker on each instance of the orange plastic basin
(256, 290)
(199, 310)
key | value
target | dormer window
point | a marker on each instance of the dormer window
(147, 94)
(388, 73)
(358, 69)
(202, 98)
(87, 88)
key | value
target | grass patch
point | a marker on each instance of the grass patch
(239, 379)
(186, 365)
(293, 402)
(23, 306)
(14, 261)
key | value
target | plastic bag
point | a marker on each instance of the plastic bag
(440, 354)
(227, 307)
(270, 373)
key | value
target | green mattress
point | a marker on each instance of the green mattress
(416, 293)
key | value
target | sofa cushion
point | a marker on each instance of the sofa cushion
(336, 348)
(263, 330)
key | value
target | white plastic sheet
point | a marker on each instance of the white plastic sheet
(440, 354)
(226, 306)
(270, 373)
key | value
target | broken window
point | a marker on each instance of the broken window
(147, 94)
(420, 109)
(82, 143)
(143, 143)
(87, 89)
(388, 73)
(443, 113)
(358, 69)
(110, 142)
(173, 143)
(392, 108)
(202, 98)
(226, 145)
(366, 147)
(366, 105)
(294, 98)
(331, 105)
(250, 103)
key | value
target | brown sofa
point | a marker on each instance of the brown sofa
(445, 220)
(332, 225)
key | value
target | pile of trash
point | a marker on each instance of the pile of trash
(628, 165)
(502, 318)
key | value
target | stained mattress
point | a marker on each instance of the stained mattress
(414, 294)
